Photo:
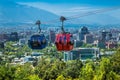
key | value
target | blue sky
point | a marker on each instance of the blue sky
(69, 7)
(89, 2)
(77, 7)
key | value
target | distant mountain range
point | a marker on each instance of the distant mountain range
(13, 12)
(101, 18)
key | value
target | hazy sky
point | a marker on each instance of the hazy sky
(90, 2)
(70, 7)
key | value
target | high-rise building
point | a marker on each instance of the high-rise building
(14, 36)
(104, 34)
(111, 44)
(52, 36)
(4, 37)
(118, 38)
(101, 44)
(2, 45)
(88, 38)
(22, 41)
(109, 36)
(77, 43)
(84, 31)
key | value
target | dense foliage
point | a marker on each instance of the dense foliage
(51, 67)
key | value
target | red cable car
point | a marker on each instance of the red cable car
(64, 41)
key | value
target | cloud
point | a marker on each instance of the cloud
(46, 6)
(80, 9)
(61, 9)
(91, 2)
(77, 10)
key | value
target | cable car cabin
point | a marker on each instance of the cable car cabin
(64, 42)
(37, 41)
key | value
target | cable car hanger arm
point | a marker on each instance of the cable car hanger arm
(38, 23)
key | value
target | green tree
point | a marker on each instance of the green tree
(116, 61)
(34, 77)
(24, 71)
(47, 69)
(72, 69)
(61, 77)
(105, 71)
(7, 72)
(87, 72)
